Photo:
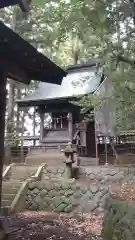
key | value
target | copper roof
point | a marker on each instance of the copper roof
(79, 81)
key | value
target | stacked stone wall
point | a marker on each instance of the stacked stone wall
(100, 175)
(88, 193)
(66, 197)
(119, 220)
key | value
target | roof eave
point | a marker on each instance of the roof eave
(33, 64)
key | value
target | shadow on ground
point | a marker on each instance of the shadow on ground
(41, 225)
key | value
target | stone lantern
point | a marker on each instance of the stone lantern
(69, 159)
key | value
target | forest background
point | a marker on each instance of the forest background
(70, 32)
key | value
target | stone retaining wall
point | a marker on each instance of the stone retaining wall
(88, 194)
(97, 174)
(119, 220)
(66, 196)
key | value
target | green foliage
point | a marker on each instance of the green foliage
(112, 32)
(75, 31)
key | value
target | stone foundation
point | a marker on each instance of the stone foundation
(87, 193)
(119, 220)
(66, 196)
(97, 174)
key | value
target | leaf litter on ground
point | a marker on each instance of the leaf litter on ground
(51, 226)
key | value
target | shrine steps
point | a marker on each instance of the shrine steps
(51, 159)
(9, 191)
(22, 172)
(10, 187)
(52, 156)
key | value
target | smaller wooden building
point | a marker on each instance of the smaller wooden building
(56, 103)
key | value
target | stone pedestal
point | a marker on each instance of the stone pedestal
(68, 170)
(69, 160)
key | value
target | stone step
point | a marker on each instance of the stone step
(10, 187)
(21, 177)
(48, 158)
(6, 203)
(19, 173)
(8, 196)
(10, 190)
(22, 172)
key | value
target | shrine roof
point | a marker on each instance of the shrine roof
(23, 62)
(80, 80)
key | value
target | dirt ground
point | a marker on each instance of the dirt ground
(42, 225)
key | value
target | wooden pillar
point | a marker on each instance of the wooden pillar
(3, 81)
(96, 140)
(22, 134)
(54, 121)
(70, 126)
(41, 126)
(34, 125)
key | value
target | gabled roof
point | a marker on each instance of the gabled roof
(24, 62)
(80, 80)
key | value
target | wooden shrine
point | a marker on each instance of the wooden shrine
(67, 123)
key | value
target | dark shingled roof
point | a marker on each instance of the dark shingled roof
(79, 81)
(22, 59)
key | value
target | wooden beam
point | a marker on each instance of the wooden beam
(17, 74)
(14, 72)
(41, 126)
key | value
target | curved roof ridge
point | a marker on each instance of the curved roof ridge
(76, 83)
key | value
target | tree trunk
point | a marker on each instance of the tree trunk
(10, 112)
(2, 127)
(18, 96)
(2, 122)
(133, 10)
(117, 156)
(10, 109)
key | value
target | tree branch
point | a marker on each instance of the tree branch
(132, 2)
(129, 89)
(128, 35)
(126, 60)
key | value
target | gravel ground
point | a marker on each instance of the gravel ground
(42, 225)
